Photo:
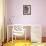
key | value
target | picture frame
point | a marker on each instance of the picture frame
(26, 9)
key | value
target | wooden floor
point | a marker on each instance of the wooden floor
(18, 43)
(23, 43)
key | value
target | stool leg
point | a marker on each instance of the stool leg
(25, 36)
(15, 38)
(2, 44)
(12, 36)
(7, 34)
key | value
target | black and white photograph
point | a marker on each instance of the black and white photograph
(26, 9)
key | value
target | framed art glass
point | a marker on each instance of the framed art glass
(26, 9)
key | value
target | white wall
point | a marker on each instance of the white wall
(38, 12)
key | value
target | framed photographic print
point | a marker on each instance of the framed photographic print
(26, 9)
